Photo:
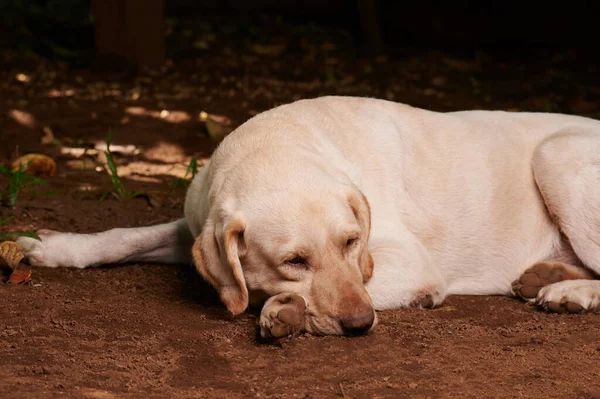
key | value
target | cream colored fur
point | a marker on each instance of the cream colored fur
(444, 203)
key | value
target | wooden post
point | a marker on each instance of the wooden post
(129, 32)
(369, 26)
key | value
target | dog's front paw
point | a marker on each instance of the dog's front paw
(41, 253)
(573, 296)
(538, 276)
(282, 316)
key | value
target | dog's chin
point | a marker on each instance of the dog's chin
(321, 328)
(329, 326)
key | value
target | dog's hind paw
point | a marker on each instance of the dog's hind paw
(282, 316)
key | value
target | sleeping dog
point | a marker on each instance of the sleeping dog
(328, 209)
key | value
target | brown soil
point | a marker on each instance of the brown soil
(140, 330)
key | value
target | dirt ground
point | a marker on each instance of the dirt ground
(158, 331)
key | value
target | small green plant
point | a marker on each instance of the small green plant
(20, 234)
(475, 86)
(119, 189)
(481, 90)
(17, 180)
(191, 169)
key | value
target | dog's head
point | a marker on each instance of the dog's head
(302, 232)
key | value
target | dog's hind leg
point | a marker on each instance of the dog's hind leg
(567, 171)
(163, 243)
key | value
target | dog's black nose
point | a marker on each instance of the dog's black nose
(358, 324)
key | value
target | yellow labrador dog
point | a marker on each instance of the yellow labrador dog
(331, 208)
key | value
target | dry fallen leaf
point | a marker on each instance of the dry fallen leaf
(23, 118)
(38, 164)
(11, 254)
(19, 276)
(155, 198)
(47, 135)
(217, 126)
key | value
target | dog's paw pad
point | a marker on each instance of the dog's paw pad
(282, 316)
(538, 276)
(564, 306)
(574, 296)
(427, 298)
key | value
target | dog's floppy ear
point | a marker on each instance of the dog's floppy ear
(217, 254)
(362, 211)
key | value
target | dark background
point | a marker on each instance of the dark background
(64, 29)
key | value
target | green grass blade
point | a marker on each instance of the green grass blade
(119, 188)
(17, 179)
(191, 168)
(4, 221)
(132, 194)
(103, 196)
(21, 234)
(114, 176)
(194, 164)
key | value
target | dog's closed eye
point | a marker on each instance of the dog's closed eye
(351, 241)
(294, 267)
(296, 261)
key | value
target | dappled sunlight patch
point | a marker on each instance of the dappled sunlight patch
(94, 158)
(162, 159)
(140, 170)
(77, 151)
(99, 146)
(23, 78)
(87, 187)
(143, 179)
(84, 163)
(165, 152)
(171, 116)
(54, 93)
(128, 149)
(23, 118)
(137, 111)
